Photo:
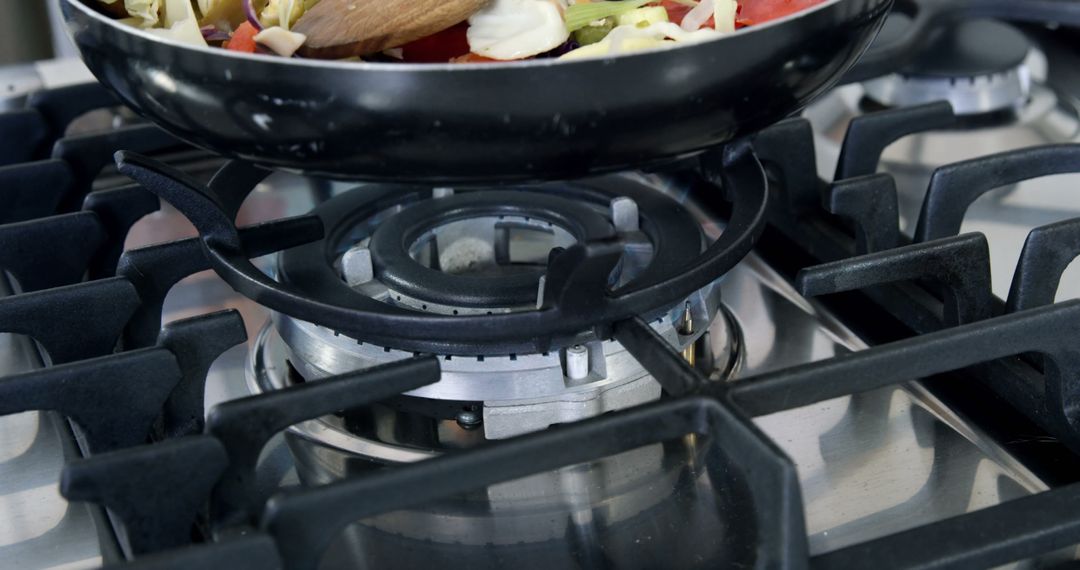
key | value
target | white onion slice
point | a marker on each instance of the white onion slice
(697, 16)
(517, 29)
(281, 41)
(724, 13)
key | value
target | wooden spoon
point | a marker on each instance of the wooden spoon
(117, 9)
(337, 29)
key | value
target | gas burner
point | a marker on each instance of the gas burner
(485, 252)
(1050, 115)
(977, 66)
(482, 252)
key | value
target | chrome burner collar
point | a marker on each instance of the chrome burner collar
(520, 393)
(267, 370)
(968, 95)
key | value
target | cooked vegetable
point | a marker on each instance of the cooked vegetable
(503, 30)
(274, 12)
(724, 14)
(594, 32)
(677, 10)
(243, 39)
(517, 29)
(146, 12)
(580, 15)
(642, 16)
(441, 47)
(280, 41)
(221, 13)
(251, 14)
(698, 16)
(632, 38)
(179, 23)
(759, 11)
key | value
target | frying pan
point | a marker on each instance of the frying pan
(460, 123)
(480, 123)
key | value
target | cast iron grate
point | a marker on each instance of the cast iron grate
(939, 279)
(576, 296)
(177, 489)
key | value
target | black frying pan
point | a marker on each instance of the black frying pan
(477, 122)
(452, 123)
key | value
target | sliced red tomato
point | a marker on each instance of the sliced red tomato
(438, 48)
(473, 58)
(750, 11)
(758, 11)
(675, 11)
(243, 39)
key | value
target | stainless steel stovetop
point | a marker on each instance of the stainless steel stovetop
(869, 465)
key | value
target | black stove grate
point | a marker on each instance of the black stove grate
(940, 278)
(133, 391)
(576, 296)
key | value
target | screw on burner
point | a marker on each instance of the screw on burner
(469, 418)
(577, 362)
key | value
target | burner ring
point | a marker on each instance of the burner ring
(393, 217)
(968, 96)
(392, 240)
(978, 66)
(576, 298)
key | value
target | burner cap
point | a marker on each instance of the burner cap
(978, 66)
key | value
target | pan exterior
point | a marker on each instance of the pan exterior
(475, 123)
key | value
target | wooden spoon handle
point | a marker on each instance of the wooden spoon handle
(337, 29)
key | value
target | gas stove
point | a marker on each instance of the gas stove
(835, 344)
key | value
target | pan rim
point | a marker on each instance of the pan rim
(369, 67)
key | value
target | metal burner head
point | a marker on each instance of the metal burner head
(495, 246)
(518, 393)
(476, 253)
(977, 66)
(493, 264)
(974, 95)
